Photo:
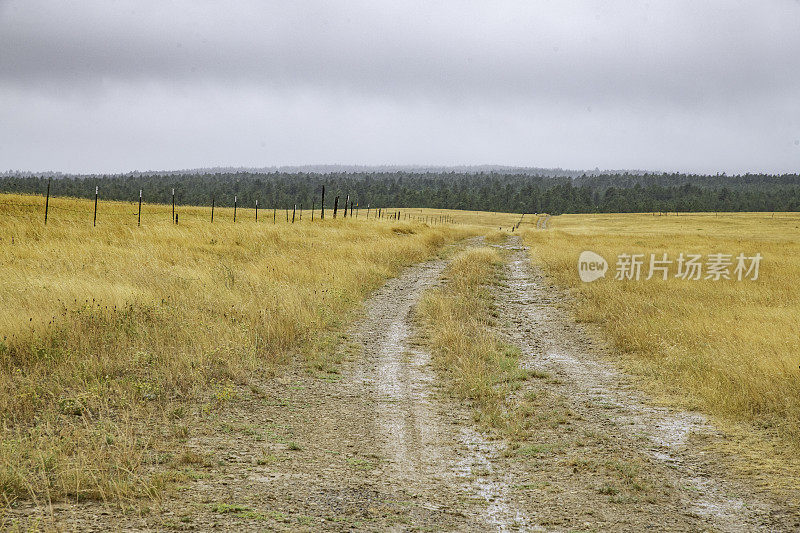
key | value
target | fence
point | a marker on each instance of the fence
(349, 208)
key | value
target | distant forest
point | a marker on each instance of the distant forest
(487, 191)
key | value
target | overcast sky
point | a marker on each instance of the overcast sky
(116, 85)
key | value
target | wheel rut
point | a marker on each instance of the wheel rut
(426, 439)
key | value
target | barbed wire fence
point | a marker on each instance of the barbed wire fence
(349, 208)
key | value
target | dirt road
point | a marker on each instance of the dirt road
(379, 445)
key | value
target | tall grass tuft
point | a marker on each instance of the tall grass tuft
(458, 321)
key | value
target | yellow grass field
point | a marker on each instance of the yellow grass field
(476, 218)
(729, 348)
(124, 324)
(108, 333)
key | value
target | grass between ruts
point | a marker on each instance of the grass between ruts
(458, 320)
(729, 348)
(111, 336)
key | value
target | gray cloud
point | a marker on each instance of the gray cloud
(112, 85)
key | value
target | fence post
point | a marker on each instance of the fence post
(47, 201)
(256, 210)
(335, 206)
(346, 202)
(313, 200)
(234, 208)
(173, 205)
(351, 209)
(367, 211)
(139, 223)
(274, 214)
(96, 192)
(322, 205)
(294, 210)
(212, 209)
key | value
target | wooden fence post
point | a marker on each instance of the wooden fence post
(294, 210)
(335, 206)
(234, 208)
(322, 205)
(256, 210)
(47, 201)
(96, 193)
(139, 223)
(346, 201)
(313, 201)
(274, 214)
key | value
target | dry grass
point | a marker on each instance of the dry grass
(496, 237)
(458, 322)
(485, 219)
(728, 348)
(107, 333)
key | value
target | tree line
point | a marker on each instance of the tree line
(522, 193)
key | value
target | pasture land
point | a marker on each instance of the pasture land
(729, 348)
(110, 332)
(117, 342)
(487, 219)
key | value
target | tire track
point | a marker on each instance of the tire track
(427, 439)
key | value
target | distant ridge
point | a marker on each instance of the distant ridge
(354, 169)
(422, 169)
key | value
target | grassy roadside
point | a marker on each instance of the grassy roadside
(728, 348)
(458, 320)
(111, 336)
